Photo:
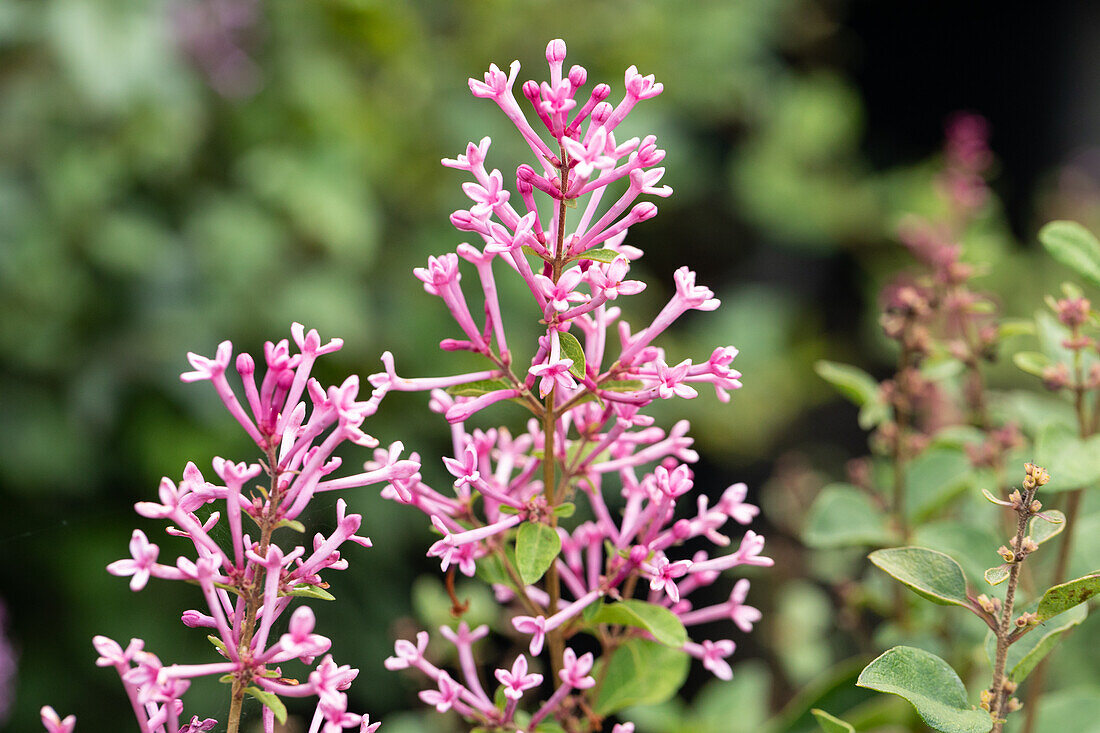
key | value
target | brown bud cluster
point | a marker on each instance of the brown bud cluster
(1035, 477)
(1027, 619)
(989, 605)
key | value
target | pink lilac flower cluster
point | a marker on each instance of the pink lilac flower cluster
(588, 380)
(248, 580)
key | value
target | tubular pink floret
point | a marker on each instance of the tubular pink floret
(462, 411)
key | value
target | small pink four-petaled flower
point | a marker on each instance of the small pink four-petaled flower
(144, 555)
(518, 680)
(662, 574)
(555, 371)
(445, 697)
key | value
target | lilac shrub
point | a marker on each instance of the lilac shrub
(587, 383)
(250, 579)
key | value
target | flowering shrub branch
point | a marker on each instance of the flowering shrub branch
(250, 580)
(587, 391)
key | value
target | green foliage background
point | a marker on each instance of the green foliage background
(143, 214)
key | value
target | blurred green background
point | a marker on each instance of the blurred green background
(175, 173)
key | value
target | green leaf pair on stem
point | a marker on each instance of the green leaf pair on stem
(927, 681)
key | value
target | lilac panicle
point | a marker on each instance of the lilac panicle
(587, 382)
(248, 580)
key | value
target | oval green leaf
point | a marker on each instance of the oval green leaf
(571, 349)
(537, 545)
(1028, 650)
(831, 723)
(1067, 595)
(1032, 362)
(857, 386)
(967, 544)
(293, 524)
(852, 382)
(600, 255)
(997, 575)
(309, 591)
(640, 672)
(270, 700)
(930, 685)
(565, 509)
(1010, 327)
(928, 573)
(1045, 527)
(1073, 246)
(844, 516)
(663, 624)
(934, 479)
(477, 388)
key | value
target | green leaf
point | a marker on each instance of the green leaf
(640, 672)
(1032, 362)
(859, 387)
(309, 591)
(1027, 651)
(1072, 463)
(1073, 246)
(657, 620)
(997, 575)
(967, 544)
(1032, 411)
(1010, 327)
(218, 644)
(1067, 595)
(844, 516)
(270, 700)
(571, 349)
(930, 685)
(1042, 529)
(935, 478)
(536, 547)
(293, 524)
(830, 723)
(928, 573)
(565, 509)
(478, 388)
(491, 570)
(600, 255)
